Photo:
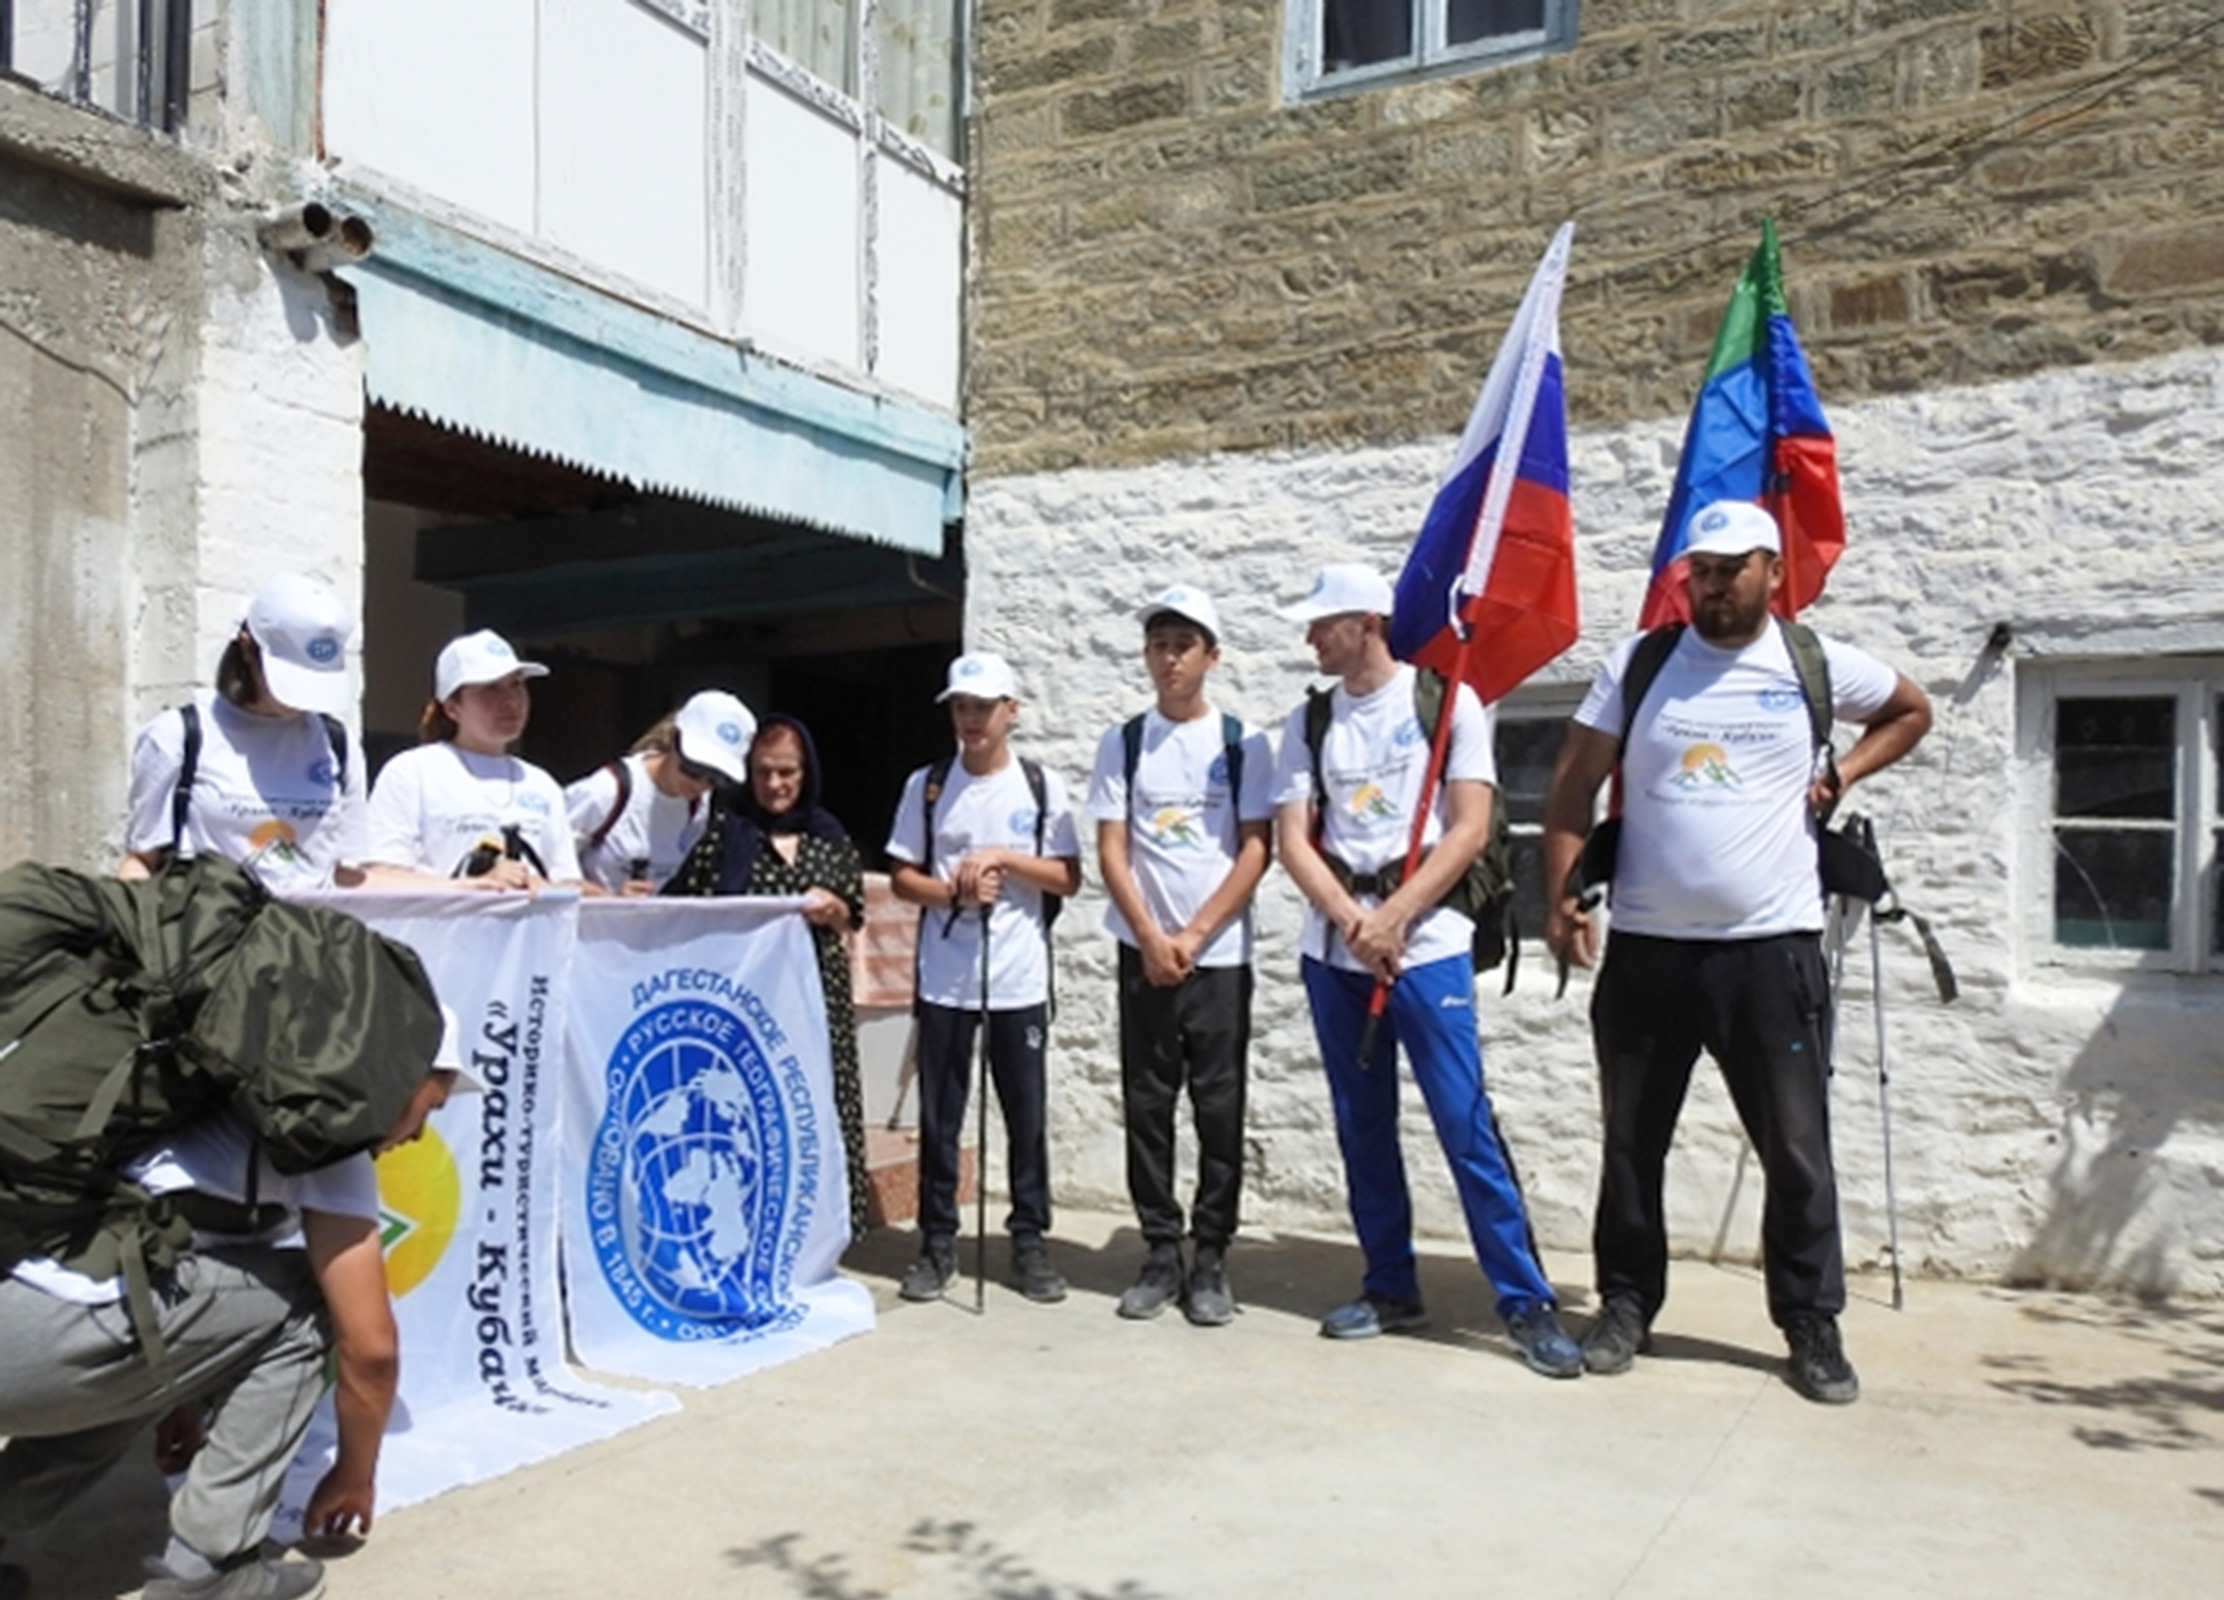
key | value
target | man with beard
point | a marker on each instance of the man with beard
(1717, 926)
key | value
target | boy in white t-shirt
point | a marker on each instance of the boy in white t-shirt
(978, 841)
(1183, 802)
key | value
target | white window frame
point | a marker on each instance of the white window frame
(2196, 684)
(1303, 77)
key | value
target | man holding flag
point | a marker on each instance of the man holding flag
(1346, 804)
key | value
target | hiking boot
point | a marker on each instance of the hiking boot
(1033, 1275)
(1818, 1367)
(1207, 1303)
(251, 1577)
(1371, 1314)
(1543, 1343)
(930, 1274)
(1617, 1336)
(1156, 1286)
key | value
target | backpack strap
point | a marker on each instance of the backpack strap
(1231, 745)
(1040, 790)
(1131, 754)
(189, 766)
(336, 735)
(1645, 662)
(930, 796)
(622, 775)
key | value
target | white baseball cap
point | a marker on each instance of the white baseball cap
(1731, 528)
(1342, 587)
(482, 657)
(449, 1058)
(1191, 605)
(982, 675)
(302, 630)
(714, 730)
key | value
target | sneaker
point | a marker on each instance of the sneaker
(1371, 1314)
(1617, 1336)
(1207, 1303)
(252, 1577)
(930, 1274)
(1818, 1367)
(1543, 1343)
(1033, 1275)
(1157, 1285)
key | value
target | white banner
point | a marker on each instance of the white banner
(469, 1215)
(702, 1238)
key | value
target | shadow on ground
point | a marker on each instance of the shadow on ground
(2176, 1405)
(974, 1563)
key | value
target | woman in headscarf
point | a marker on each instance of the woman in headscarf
(772, 837)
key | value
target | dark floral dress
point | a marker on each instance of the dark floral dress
(832, 865)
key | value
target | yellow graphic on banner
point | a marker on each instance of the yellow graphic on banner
(419, 1198)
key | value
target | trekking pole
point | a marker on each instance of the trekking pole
(980, 1151)
(1884, 1101)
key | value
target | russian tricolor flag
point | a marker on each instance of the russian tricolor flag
(1757, 433)
(1488, 593)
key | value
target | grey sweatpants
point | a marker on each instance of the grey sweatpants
(247, 1334)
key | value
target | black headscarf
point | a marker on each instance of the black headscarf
(738, 827)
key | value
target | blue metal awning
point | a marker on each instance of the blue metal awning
(476, 339)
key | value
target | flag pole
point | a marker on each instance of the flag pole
(1539, 310)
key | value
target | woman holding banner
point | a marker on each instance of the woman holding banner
(774, 838)
(460, 805)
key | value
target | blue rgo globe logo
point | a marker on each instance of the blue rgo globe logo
(691, 1175)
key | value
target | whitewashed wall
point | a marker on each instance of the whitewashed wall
(2048, 1125)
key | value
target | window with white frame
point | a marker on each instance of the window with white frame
(902, 54)
(1339, 44)
(2125, 827)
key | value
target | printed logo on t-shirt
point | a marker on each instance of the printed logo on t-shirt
(274, 844)
(533, 802)
(1173, 828)
(1410, 732)
(1022, 823)
(1218, 771)
(1369, 803)
(324, 774)
(1781, 700)
(1706, 766)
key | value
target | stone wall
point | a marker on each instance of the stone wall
(100, 238)
(2055, 1122)
(1170, 260)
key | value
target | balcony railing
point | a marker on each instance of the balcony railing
(130, 58)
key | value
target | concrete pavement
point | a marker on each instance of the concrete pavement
(2026, 1444)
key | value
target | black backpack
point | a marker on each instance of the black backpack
(1484, 893)
(129, 1011)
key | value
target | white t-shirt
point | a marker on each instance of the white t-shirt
(1182, 823)
(432, 805)
(1374, 758)
(212, 1157)
(265, 794)
(1717, 840)
(655, 827)
(996, 811)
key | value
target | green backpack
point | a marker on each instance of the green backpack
(129, 1011)
(1485, 892)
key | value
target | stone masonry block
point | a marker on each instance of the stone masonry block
(2027, 48)
(1124, 107)
(1557, 138)
(1317, 177)
(1069, 13)
(1603, 17)
(1715, 47)
(1010, 73)
(2064, 167)
(1238, 83)
(1860, 88)
(2165, 263)
(1470, 153)
(1824, 27)
(1881, 16)
(1167, 44)
(1617, 62)
(1761, 103)
(1874, 302)
(1758, 167)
